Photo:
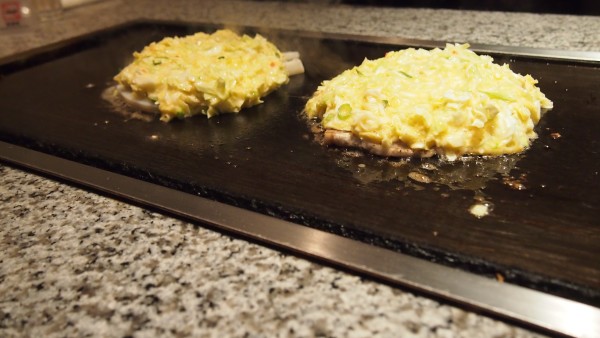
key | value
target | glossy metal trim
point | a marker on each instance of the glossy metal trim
(532, 308)
(544, 53)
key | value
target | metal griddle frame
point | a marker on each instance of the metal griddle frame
(531, 308)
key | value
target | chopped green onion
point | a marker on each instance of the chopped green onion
(359, 72)
(405, 74)
(344, 111)
(385, 103)
(328, 117)
(156, 62)
(221, 57)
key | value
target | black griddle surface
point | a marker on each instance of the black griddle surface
(543, 231)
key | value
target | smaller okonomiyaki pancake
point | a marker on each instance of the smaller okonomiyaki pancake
(204, 74)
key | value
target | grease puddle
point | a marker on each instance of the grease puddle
(468, 173)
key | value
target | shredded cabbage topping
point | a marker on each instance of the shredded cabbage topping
(451, 100)
(204, 74)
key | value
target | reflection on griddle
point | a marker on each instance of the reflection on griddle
(467, 173)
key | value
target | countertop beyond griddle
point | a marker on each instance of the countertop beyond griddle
(75, 263)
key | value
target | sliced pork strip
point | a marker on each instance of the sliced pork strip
(347, 139)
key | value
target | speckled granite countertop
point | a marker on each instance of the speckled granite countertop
(74, 263)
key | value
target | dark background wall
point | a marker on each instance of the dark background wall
(578, 7)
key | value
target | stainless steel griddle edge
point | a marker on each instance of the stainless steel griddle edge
(544, 53)
(526, 306)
